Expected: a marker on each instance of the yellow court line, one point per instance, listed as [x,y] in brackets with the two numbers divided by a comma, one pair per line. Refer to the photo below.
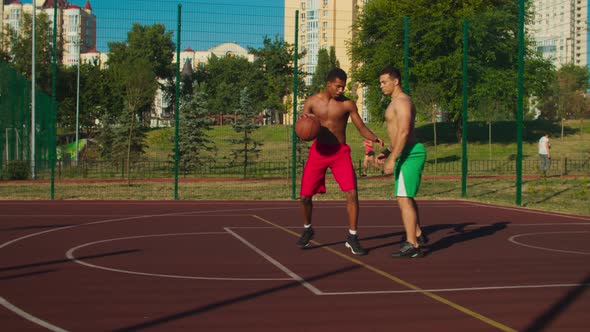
[431,295]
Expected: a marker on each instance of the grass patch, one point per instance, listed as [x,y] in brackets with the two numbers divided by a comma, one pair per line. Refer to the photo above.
[569,195]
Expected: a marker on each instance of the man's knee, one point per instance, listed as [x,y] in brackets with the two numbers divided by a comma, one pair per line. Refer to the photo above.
[305,200]
[351,195]
[405,202]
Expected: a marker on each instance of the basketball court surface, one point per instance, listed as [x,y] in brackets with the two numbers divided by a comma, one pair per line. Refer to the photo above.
[228,266]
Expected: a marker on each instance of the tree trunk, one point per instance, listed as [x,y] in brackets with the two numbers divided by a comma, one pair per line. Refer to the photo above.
[129,136]
[245,152]
[561,128]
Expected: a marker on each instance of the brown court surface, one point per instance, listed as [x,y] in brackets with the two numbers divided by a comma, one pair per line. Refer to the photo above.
[229,266]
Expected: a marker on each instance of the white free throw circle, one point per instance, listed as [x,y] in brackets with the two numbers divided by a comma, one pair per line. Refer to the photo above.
[70,255]
[514,237]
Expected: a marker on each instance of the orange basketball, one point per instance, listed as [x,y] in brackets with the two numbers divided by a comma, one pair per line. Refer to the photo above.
[307,128]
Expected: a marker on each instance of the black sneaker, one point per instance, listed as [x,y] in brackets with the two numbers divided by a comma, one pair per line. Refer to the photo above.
[305,237]
[352,243]
[422,239]
[408,251]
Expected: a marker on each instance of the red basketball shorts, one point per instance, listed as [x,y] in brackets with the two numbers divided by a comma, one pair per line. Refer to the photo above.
[324,156]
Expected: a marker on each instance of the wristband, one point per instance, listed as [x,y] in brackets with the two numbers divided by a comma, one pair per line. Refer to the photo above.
[386,152]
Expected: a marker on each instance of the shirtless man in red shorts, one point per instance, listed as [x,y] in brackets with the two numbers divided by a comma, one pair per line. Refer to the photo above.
[329,150]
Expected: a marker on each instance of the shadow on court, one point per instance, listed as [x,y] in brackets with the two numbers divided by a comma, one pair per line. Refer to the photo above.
[28,274]
[60,261]
[462,234]
[25,228]
[542,322]
[233,300]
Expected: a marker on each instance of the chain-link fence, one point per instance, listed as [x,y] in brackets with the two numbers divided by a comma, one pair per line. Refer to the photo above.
[28,140]
[198,97]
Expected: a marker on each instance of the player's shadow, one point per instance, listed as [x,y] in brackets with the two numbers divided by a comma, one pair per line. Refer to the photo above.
[362,239]
[463,234]
[427,230]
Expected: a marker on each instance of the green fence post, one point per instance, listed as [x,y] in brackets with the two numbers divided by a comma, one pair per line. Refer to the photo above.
[53,103]
[177,104]
[519,111]
[464,116]
[3,98]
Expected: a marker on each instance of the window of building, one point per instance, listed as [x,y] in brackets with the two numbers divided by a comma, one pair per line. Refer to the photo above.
[325,2]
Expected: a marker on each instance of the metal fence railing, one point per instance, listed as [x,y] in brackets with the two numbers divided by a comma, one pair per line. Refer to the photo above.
[116,169]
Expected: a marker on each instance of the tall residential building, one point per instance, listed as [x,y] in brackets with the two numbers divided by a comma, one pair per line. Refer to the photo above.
[560,29]
[323,24]
[76,26]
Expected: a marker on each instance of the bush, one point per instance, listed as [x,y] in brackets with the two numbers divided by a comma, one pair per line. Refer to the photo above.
[17,170]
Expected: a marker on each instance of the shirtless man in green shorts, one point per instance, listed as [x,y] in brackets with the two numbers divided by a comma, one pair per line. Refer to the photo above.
[404,158]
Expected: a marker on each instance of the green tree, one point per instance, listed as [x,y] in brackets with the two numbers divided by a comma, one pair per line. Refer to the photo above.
[493,102]
[150,42]
[139,85]
[194,145]
[107,138]
[20,50]
[225,76]
[427,99]
[274,61]
[436,47]
[572,83]
[326,62]
[246,124]
[99,94]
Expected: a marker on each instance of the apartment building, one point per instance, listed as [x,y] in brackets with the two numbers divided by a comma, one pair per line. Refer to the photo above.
[76,26]
[323,24]
[560,29]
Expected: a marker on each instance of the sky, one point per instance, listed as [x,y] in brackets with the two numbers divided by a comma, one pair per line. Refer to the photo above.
[205,23]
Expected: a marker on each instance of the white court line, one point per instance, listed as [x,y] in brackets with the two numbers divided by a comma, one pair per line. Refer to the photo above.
[33,319]
[70,255]
[465,289]
[29,317]
[276,263]
[424,226]
[36,320]
[513,240]
[523,209]
[5,244]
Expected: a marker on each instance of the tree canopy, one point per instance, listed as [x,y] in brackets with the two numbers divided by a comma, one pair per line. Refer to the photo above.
[436,49]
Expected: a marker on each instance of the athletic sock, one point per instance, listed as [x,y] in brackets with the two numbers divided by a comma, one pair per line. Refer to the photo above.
[351,232]
[307,226]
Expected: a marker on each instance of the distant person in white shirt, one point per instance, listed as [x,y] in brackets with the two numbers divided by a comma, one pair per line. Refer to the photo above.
[544,154]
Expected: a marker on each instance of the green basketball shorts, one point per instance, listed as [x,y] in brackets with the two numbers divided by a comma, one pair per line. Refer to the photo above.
[408,170]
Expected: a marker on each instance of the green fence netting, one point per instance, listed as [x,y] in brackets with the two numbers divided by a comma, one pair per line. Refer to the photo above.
[117,86]
[19,146]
